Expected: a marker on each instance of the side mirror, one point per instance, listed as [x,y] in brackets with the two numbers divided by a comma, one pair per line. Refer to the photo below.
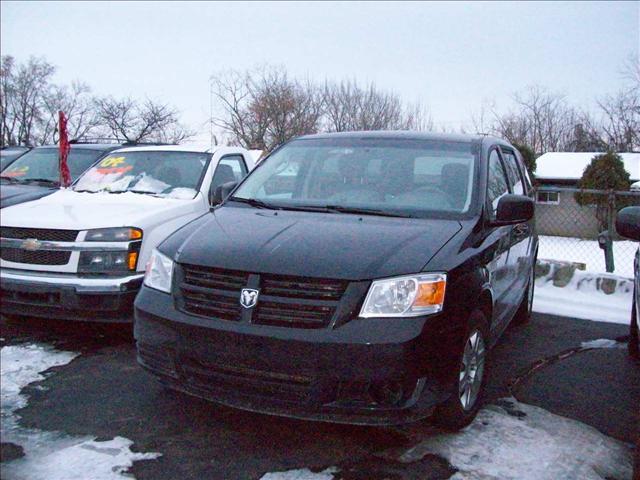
[514,209]
[221,192]
[628,223]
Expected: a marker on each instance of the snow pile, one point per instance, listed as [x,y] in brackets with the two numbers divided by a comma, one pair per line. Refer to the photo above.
[584,297]
[21,365]
[535,446]
[570,249]
[302,474]
[181,193]
[602,343]
[514,441]
[52,455]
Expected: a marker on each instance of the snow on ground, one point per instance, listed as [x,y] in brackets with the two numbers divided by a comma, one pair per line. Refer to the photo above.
[52,455]
[302,474]
[602,343]
[582,298]
[535,446]
[588,252]
[515,441]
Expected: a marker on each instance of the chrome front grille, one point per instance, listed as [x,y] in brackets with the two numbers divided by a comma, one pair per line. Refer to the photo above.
[284,301]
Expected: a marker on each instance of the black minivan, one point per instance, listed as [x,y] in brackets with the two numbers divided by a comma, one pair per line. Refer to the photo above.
[356,277]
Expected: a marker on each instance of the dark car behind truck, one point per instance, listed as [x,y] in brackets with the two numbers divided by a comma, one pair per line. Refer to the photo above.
[357,278]
[36,174]
[10,154]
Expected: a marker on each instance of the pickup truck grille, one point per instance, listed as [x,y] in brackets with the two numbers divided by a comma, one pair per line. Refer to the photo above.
[285,301]
[39,257]
[47,234]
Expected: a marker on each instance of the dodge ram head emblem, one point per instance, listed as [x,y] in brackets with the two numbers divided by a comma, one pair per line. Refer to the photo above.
[30,244]
[249,297]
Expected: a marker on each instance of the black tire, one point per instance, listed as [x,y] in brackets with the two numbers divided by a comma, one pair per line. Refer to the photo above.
[523,314]
[634,351]
[451,414]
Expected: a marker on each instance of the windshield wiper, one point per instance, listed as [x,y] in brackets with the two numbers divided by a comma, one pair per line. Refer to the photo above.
[255,203]
[41,180]
[363,211]
[319,208]
[143,192]
[10,179]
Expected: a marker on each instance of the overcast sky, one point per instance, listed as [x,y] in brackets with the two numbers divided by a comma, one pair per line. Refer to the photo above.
[448,56]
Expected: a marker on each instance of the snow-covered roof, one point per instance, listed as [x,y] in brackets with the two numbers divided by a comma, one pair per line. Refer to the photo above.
[571,165]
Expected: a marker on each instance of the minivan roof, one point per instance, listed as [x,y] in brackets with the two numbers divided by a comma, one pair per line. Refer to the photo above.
[450,137]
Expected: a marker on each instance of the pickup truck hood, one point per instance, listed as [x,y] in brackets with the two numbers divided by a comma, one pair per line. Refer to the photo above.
[328,245]
[14,194]
[66,209]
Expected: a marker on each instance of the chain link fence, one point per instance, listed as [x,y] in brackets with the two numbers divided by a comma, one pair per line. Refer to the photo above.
[579,226]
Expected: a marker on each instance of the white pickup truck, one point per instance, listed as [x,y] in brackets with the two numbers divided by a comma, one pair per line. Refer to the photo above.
[81,252]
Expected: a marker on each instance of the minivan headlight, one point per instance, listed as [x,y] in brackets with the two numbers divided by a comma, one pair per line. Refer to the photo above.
[407,296]
[159,272]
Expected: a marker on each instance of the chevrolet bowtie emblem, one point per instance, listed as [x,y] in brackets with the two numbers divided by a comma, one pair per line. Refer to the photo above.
[31,244]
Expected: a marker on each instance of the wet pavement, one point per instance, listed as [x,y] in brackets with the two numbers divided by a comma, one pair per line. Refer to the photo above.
[104,393]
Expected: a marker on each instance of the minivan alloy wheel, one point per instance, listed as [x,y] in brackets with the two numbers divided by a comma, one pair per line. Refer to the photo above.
[471,370]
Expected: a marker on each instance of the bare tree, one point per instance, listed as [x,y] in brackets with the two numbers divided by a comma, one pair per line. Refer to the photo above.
[233,92]
[78,105]
[621,120]
[541,119]
[291,107]
[31,82]
[349,107]
[631,71]
[7,118]
[23,87]
[263,108]
[128,120]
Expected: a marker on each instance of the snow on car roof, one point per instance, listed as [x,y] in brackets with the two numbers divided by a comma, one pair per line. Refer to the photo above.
[571,165]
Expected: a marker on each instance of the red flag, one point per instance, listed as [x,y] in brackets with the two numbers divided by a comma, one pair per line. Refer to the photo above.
[65,175]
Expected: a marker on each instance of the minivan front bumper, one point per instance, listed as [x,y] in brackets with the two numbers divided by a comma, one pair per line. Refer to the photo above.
[367,371]
[68,297]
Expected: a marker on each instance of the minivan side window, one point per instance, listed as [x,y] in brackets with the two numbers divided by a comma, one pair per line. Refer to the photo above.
[513,172]
[497,182]
[230,169]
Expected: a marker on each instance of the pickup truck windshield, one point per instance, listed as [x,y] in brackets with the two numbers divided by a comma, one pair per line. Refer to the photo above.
[170,174]
[392,176]
[41,164]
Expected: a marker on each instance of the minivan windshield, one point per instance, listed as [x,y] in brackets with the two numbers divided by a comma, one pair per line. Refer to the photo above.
[162,173]
[387,176]
[41,165]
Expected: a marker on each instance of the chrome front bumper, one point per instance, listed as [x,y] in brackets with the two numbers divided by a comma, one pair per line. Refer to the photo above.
[67,296]
[80,284]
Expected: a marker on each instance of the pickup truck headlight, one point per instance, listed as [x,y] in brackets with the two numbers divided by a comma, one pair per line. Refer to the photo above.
[108,262]
[159,272]
[111,261]
[119,234]
[407,296]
